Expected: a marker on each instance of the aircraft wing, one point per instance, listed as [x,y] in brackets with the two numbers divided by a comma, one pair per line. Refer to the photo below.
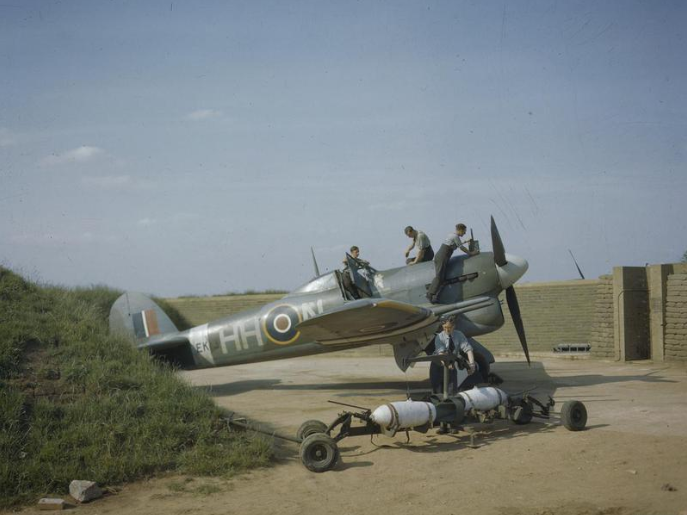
[381,321]
[365,319]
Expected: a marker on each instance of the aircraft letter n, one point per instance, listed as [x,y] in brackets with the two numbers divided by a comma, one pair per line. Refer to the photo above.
[308,309]
[228,334]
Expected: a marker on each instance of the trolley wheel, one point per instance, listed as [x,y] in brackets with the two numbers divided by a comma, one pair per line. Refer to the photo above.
[310,427]
[574,415]
[522,415]
[319,452]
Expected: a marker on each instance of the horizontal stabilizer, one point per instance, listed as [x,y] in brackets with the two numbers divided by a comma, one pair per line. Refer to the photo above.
[138,317]
[164,341]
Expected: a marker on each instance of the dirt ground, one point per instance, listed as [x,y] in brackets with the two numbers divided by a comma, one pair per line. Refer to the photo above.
[631,459]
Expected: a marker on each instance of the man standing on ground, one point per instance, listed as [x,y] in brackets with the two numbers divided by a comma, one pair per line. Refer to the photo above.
[450,341]
[452,242]
[423,245]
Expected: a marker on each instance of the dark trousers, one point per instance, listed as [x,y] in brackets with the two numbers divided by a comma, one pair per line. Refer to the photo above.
[429,254]
[440,265]
[436,378]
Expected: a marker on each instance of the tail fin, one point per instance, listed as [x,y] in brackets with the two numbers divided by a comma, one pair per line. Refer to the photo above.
[138,317]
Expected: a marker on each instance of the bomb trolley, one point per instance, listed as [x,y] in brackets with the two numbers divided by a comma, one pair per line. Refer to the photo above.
[318,441]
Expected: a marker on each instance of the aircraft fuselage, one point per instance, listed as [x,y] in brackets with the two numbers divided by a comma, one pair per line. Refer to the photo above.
[270,332]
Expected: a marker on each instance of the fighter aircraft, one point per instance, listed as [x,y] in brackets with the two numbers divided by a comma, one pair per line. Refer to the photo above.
[327,315]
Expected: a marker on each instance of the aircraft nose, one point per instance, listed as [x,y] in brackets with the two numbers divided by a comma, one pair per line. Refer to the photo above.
[513,270]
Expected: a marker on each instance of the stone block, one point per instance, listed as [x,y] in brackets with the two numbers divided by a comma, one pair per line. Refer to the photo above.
[47,503]
[84,491]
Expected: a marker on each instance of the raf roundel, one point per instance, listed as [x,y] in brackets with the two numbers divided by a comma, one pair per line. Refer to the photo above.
[280,324]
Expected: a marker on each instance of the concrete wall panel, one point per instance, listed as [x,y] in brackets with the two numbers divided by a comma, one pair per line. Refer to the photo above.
[675,329]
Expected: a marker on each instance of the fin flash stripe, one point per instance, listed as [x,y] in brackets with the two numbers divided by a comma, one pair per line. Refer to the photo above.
[150,317]
[145,323]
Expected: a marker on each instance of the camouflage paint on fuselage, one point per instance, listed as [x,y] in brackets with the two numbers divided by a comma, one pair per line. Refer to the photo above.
[269,332]
[263,333]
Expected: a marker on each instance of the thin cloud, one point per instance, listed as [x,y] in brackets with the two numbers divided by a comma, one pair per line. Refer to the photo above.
[203,114]
[52,239]
[184,217]
[7,139]
[116,182]
[172,219]
[82,154]
[108,181]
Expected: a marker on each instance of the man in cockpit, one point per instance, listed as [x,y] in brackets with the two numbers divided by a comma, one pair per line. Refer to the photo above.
[362,267]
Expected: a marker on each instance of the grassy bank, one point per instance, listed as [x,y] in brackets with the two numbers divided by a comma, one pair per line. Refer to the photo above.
[77,403]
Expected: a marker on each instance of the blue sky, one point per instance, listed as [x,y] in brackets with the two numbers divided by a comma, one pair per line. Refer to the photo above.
[179,147]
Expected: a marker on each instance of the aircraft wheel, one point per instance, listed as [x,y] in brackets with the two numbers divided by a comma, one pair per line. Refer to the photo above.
[522,415]
[310,427]
[319,452]
[574,415]
[484,367]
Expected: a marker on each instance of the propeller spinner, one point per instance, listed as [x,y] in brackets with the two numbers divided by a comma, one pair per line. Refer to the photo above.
[510,268]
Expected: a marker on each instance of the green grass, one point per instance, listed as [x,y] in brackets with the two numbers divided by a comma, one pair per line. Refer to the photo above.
[237,294]
[77,403]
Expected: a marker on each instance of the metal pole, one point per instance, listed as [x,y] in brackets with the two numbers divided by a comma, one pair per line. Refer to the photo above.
[445,381]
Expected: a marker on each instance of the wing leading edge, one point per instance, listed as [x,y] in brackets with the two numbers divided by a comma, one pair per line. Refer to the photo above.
[379,321]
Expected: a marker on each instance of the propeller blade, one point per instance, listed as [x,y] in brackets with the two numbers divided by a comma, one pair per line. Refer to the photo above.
[578,266]
[497,245]
[514,308]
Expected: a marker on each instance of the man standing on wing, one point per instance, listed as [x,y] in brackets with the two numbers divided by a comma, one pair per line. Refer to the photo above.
[452,242]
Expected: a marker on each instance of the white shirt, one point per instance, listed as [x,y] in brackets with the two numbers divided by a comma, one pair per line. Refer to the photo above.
[421,241]
[454,241]
[442,341]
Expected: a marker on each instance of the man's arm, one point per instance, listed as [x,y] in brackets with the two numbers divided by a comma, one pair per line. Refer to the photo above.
[471,362]
[410,248]
[465,346]
[465,249]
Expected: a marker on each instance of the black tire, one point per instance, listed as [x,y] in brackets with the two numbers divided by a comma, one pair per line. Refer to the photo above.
[522,415]
[310,427]
[319,453]
[574,415]
[484,367]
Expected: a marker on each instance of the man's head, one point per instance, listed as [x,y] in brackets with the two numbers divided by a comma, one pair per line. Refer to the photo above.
[410,232]
[355,251]
[448,325]
[461,229]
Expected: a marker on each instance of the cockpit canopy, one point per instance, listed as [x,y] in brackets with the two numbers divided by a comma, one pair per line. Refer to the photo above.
[322,283]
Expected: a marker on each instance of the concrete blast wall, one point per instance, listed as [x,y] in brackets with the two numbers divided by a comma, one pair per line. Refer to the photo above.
[552,312]
[676,318]
[602,337]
